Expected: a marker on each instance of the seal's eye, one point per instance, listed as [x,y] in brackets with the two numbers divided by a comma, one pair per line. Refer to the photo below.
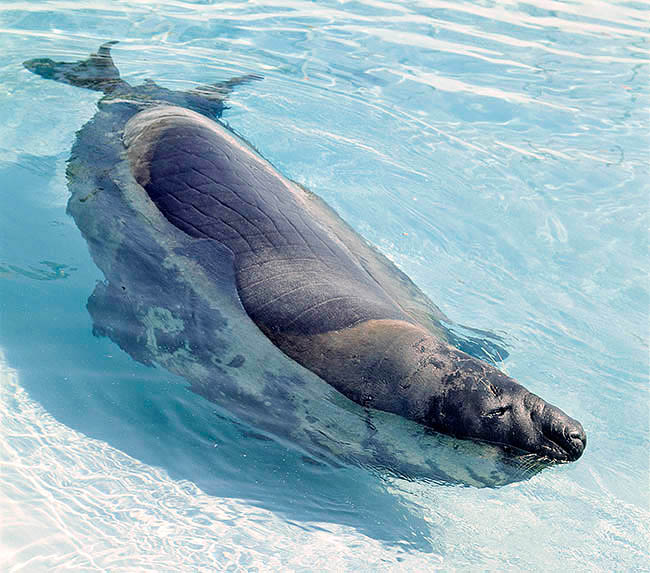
[497,412]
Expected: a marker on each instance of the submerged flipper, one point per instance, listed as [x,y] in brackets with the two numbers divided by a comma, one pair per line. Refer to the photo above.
[481,344]
[98,72]
[210,99]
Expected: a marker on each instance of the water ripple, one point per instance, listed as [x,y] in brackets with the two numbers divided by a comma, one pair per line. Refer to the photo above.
[70,502]
[498,152]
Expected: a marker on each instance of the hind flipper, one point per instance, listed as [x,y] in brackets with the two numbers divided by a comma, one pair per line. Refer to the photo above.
[98,72]
[221,90]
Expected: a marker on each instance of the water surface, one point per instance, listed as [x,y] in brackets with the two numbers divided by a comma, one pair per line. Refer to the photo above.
[497,152]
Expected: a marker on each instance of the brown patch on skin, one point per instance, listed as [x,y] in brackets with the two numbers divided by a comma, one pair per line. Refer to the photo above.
[391,279]
[389,365]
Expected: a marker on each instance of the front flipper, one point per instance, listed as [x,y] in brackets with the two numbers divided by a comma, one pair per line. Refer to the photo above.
[480,344]
[97,72]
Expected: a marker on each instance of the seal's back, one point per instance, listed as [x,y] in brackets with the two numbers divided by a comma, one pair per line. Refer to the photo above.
[293,275]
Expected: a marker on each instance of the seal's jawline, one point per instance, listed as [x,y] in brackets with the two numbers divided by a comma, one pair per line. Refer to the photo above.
[520,452]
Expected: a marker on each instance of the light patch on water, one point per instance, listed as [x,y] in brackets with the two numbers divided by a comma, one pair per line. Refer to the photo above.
[428,43]
[71,502]
[452,85]
[499,12]
[511,41]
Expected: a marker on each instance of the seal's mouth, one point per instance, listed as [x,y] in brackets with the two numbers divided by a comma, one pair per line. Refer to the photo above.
[569,449]
[552,451]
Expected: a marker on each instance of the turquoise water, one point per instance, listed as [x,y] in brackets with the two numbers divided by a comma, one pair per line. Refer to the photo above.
[497,152]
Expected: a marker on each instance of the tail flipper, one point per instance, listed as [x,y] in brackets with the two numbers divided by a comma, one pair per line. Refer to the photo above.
[98,72]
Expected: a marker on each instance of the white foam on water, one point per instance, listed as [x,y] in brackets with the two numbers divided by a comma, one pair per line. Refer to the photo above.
[69,502]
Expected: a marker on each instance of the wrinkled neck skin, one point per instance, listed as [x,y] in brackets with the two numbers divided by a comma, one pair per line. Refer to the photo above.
[399,367]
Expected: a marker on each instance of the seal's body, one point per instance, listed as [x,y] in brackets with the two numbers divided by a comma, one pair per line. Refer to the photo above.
[315,288]
[311,295]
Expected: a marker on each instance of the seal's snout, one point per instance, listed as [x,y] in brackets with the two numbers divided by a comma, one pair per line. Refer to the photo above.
[564,439]
[569,435]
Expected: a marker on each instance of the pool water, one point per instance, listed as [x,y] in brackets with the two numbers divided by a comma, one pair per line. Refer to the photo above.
[497,152]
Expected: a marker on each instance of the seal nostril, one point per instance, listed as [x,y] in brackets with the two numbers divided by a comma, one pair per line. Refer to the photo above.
[575,435]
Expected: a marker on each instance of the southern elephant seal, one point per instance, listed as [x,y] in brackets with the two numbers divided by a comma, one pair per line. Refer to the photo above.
[312,285]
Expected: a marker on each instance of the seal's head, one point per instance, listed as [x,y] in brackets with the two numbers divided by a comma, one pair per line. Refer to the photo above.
[484,404]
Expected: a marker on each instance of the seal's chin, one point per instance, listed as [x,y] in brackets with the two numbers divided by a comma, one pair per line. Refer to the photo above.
[547,452]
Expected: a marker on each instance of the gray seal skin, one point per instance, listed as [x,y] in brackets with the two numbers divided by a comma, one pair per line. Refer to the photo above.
[315,288]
